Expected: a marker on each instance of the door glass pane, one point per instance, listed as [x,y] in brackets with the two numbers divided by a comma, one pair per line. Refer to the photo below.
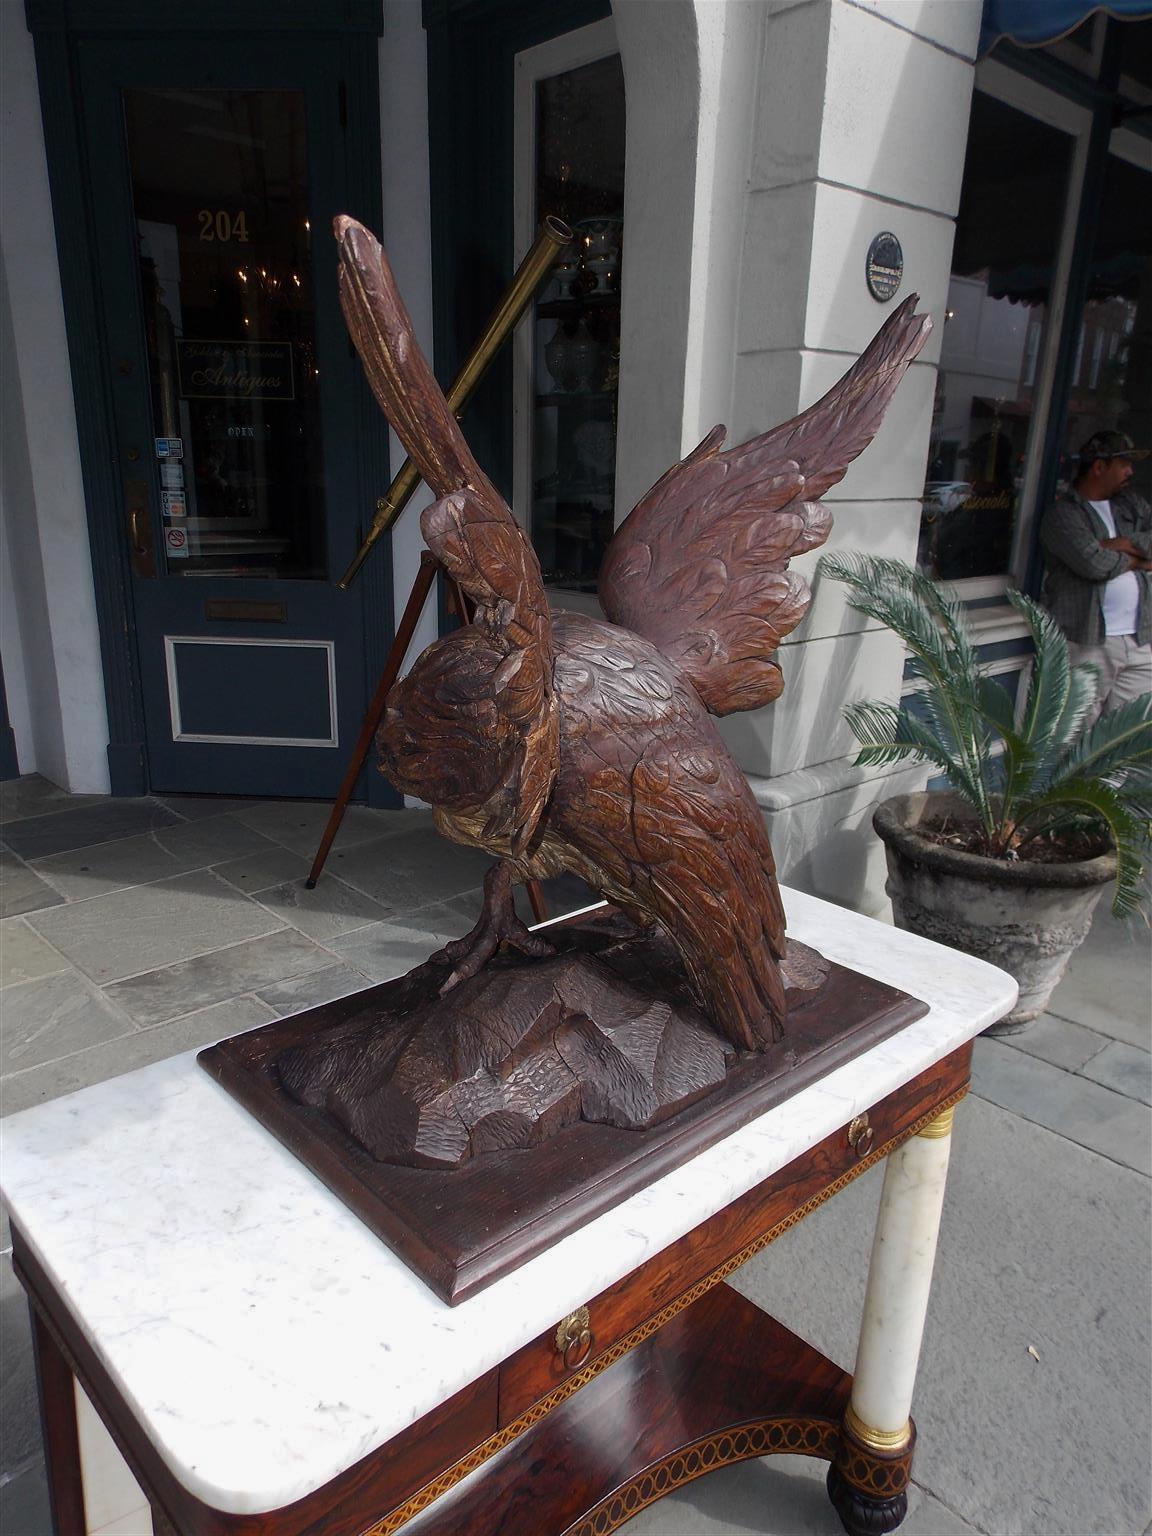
[220,192]
[1112,379]
[579,178]
[1007,240]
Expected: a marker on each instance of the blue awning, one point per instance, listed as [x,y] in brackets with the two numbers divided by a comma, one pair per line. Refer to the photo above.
[1043,21]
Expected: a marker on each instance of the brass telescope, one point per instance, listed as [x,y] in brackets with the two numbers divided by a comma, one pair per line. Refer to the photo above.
[554,235]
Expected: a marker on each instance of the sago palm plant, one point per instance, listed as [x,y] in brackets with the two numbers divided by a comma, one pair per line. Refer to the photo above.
[1041,775]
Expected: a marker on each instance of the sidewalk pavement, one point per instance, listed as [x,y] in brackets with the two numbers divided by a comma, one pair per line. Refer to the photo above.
[134,929]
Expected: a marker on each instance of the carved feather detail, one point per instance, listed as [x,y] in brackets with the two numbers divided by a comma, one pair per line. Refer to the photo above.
[699,566]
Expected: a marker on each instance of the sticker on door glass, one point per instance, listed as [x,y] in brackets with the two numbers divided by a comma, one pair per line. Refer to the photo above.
[176,543]
[174,504]
[235,370]
[169,447]
[172,476]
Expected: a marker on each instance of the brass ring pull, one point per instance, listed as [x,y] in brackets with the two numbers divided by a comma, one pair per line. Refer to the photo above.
[860,1136]
[574,1338]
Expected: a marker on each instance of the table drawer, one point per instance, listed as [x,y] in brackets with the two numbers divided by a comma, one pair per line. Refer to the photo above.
[577,1348]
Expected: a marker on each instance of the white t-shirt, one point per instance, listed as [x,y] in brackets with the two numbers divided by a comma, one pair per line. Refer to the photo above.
[1121,597]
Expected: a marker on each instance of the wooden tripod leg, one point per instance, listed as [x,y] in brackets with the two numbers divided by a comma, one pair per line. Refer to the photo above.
[425,576]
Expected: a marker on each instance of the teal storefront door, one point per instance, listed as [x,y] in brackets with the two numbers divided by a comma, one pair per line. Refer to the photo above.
[241,465]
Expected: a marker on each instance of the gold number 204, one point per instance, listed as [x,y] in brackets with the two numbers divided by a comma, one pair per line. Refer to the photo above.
[219,224]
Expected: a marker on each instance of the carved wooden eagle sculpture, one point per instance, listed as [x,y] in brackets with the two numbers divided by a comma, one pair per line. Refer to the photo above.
[559,742]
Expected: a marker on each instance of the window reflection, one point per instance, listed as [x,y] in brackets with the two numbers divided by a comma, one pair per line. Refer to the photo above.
[1007,239]
[1112,378]
[580,178]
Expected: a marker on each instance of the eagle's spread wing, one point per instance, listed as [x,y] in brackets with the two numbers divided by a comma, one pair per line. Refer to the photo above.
[470,529]
[700,565]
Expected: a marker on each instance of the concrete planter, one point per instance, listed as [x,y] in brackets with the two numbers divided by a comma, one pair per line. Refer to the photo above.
[1026,918]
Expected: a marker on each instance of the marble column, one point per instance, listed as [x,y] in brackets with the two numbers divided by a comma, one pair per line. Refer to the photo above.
[868,1479]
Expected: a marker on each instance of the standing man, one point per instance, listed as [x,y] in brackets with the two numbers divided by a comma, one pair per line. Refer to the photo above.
[1098,543]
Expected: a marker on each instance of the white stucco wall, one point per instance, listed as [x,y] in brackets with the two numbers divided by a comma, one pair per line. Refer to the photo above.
[407,236]
[48,632]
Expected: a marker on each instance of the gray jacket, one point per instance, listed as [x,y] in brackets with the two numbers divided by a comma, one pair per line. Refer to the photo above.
[1078,568]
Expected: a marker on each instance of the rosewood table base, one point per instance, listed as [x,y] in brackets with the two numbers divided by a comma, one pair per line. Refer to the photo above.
[668,1375]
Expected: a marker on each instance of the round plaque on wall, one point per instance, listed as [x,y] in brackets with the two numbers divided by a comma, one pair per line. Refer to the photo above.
[885,266]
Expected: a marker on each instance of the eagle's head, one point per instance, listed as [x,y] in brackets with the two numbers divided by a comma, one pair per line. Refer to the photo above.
[443,739]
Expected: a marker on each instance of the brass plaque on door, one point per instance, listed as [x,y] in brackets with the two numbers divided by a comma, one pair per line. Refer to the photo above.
[236,610]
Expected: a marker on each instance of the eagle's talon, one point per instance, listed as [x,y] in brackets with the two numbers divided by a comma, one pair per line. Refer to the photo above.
[496,925]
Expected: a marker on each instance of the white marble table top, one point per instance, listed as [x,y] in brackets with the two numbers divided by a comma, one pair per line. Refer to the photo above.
[266,1340]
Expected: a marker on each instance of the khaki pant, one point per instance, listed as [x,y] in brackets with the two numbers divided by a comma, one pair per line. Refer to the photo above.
[1125,670]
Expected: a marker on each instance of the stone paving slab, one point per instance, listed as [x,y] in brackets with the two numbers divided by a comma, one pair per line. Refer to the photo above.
[150,926]
[139,1049]
[36,837]
[54,1016]
[1108,984]
[202,807]
[329,911]
[86,872]
[32,795]
[1097,1118]
[299,825]
[1060,1041]
[310,991]
[82,873]
[19,1430]
[24,1507]
[390,949]
[411,869]
[22,890]
[261,871]
[24,955]
[1124,1068]
[156,996]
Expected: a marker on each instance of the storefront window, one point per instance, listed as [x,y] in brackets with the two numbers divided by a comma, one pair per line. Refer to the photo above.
[579,176]
[1005,252]
[1112,379]
[220,189]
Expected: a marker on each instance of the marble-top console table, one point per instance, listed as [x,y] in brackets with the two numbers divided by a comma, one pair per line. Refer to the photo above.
[265,1364]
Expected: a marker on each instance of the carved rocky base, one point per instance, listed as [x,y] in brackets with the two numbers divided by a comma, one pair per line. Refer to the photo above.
[507,1060]
[510,1057]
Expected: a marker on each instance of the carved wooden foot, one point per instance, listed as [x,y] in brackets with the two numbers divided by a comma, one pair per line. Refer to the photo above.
[497,924]
[867,1483]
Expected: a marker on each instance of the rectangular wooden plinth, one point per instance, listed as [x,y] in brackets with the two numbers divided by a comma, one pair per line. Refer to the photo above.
[463,1228]
[721,1382]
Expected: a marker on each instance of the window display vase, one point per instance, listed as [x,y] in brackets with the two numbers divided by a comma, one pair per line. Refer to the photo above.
[573,359]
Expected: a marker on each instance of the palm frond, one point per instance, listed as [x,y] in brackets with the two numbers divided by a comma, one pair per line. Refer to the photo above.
[888,733]
[932,627]
[1083,689]
[1129,835]
[1120,741]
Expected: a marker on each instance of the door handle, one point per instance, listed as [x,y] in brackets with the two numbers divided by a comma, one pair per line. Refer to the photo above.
[136,505]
